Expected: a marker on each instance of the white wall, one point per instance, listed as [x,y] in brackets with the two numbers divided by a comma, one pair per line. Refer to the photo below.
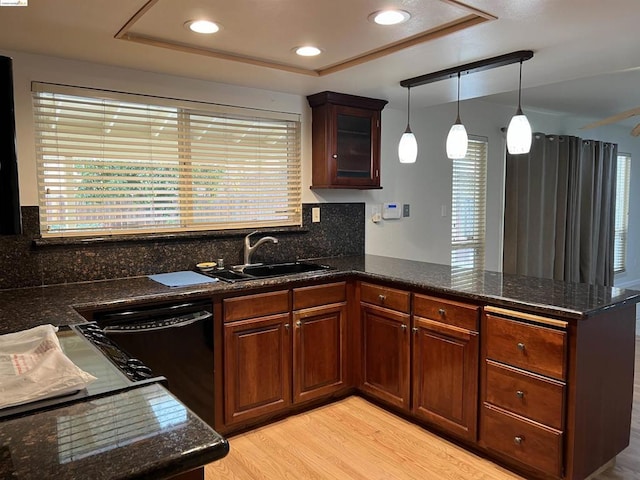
[426,185]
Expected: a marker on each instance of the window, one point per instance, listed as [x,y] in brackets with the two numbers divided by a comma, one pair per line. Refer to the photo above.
[468,206]
[622,212]
[113,163]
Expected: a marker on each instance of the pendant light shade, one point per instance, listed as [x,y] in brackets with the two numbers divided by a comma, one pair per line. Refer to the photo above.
[519,130]
[408,146]
[457,140]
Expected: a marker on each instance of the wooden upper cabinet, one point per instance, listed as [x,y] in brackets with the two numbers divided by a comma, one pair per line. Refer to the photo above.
[345,140]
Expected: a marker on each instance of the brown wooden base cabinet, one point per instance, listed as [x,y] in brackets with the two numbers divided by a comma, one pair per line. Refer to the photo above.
[386,357]
[257,356]
[549,397]
[274,358]
[319,341]
[445,365]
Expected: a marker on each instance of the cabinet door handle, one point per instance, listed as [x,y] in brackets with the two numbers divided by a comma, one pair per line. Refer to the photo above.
[442,311]
[404,327]
[382,298]
[414,330]
[521,346]
[286,326]
[298,323]
[335,155]
[520,394]
[518,440]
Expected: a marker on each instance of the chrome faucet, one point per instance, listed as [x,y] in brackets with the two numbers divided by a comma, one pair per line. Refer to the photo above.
[249,249]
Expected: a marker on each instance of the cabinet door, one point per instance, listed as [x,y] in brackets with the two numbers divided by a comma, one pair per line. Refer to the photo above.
[356,149]
[257,369]
[319,351]
[445,376]
[385,357]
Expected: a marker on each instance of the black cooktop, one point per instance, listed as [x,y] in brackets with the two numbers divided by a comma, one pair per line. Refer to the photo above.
[113,368]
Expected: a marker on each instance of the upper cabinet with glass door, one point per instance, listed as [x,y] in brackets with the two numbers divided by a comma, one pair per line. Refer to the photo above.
[345,140]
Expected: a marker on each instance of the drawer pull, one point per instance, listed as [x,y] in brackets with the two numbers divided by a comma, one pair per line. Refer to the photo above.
[521,346]
[298,323]
[518,440]
[382,298]
[441,311]
[520,394]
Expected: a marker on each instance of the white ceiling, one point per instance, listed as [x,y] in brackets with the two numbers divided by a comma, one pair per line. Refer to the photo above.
[586,61]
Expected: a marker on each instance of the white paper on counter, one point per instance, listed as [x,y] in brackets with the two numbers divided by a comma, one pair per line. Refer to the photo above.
[34,367]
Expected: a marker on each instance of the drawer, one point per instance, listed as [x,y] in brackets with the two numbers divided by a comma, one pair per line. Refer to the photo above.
[532,396]
[532,347]
[527,442]
[452,313]
[316,295]
[252,306]
[385,297]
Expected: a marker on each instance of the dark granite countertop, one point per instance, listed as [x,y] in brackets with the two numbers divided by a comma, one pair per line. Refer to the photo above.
[57,304]
[154,435]
[143,433]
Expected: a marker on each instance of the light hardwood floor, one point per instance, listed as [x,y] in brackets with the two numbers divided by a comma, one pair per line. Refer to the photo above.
[355,440]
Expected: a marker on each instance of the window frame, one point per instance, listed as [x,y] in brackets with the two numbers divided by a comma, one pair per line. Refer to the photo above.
[261,178]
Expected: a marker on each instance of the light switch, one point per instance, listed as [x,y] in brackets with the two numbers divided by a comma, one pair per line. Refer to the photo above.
[315,214]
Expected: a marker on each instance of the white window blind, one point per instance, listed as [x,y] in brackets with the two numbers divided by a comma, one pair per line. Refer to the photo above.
[468,206]
[622,212]
[113,163]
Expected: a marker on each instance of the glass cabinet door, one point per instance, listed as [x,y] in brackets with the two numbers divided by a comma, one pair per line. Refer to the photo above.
[353,146]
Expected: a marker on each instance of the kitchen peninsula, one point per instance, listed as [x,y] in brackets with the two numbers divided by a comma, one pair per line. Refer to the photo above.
[575,343]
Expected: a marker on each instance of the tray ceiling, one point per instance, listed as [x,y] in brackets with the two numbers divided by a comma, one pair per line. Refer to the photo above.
[340,29]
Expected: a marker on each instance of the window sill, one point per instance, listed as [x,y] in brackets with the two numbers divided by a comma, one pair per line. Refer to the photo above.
[159,237]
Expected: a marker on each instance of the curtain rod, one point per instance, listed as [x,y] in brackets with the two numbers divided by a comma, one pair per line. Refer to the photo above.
[478,66]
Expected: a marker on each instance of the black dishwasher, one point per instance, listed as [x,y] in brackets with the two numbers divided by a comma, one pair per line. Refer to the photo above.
[176,341]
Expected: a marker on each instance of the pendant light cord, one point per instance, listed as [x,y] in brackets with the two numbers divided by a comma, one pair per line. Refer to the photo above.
[458,97]
[408,104]
[520,89]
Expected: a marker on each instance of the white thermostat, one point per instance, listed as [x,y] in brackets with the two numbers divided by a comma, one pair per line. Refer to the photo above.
[391,211]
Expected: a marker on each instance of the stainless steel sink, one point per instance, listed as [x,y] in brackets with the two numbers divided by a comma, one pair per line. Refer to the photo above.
[253,272]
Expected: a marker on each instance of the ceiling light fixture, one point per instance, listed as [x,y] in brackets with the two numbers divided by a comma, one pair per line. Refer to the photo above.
[519,131]
[478,66]
[457,140]
[202,26]
[307,51]
[389,17]
[408,146]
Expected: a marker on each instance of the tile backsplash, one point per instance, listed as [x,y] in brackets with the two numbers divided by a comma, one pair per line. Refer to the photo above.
[23,264]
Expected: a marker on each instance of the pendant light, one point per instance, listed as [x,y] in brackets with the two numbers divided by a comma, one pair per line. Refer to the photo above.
[408,146]
[457,140]
[519,131]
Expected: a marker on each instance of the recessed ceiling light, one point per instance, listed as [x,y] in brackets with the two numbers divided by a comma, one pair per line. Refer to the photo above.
[389,17]
[202,26]
[307,51]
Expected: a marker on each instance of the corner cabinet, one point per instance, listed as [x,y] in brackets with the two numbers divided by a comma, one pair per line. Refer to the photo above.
[345,140]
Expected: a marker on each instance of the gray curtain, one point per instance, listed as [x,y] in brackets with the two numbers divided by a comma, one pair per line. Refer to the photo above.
[560,210]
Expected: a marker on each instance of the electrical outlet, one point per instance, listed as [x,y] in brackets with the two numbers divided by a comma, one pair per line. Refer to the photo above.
[406,210]
[315,214]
